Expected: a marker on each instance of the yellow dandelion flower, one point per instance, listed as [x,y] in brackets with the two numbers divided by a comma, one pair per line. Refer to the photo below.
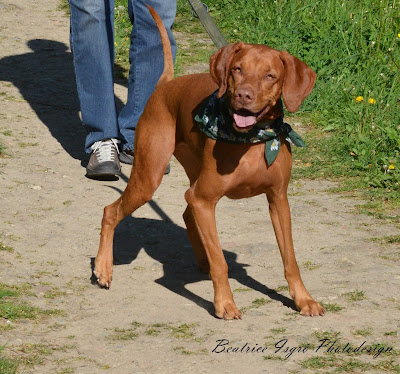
[398,35]
[371,101]
[359,99]
[391,167]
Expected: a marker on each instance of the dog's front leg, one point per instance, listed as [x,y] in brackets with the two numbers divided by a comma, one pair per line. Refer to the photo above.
[280,216]
[203,214]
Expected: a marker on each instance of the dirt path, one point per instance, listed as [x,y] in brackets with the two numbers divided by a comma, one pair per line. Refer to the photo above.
[157,317]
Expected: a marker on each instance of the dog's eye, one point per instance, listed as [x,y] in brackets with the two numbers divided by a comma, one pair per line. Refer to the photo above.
[237,69]
[270,76]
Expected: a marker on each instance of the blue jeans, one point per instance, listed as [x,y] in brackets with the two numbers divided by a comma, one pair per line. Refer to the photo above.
[92,43]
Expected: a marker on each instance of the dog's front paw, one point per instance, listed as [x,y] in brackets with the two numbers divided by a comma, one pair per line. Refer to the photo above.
[103,274]
[227,310]
[310,308]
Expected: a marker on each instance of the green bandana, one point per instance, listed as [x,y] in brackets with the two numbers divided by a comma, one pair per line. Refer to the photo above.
[216,122]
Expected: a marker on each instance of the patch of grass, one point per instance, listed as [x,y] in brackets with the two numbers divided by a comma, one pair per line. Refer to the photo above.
[2,150]
[25,144]
[339,364]
[257,303]
[273,358]
[7,365]
[307,345]
[13,309]
[391,239]
[364,332]
[331,335]
[236,290]
[331,308]
[54,293]
[153,331]
[184,331]
[66,370]
[31,354]
[309,265]
[5,247]
[185,351]
[391,333]
[280,330]
[356,295]
[64,5]
[123,334]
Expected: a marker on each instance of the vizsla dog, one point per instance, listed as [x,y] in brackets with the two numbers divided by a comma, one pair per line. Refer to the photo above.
[252,79]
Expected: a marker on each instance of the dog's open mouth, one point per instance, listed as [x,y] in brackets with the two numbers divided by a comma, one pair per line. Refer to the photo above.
[244,119]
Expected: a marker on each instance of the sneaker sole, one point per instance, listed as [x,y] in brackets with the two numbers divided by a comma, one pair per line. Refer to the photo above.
[105,171]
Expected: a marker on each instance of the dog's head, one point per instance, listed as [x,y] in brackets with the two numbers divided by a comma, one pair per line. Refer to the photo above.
[255,77]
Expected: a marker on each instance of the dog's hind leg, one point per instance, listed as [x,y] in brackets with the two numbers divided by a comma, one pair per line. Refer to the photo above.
[152,154]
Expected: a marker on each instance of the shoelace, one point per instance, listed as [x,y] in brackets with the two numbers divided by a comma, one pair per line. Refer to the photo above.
[105,150]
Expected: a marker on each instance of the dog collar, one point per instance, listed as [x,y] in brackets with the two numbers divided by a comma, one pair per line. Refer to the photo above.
[214,120]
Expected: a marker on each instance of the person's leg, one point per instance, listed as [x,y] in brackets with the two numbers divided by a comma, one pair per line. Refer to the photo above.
[92,43]
[147,61]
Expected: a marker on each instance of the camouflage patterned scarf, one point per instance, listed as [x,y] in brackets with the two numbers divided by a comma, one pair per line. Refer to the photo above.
[216,122]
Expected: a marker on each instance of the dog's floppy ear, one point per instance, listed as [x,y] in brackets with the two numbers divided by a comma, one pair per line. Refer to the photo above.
[298,82]
[219,65]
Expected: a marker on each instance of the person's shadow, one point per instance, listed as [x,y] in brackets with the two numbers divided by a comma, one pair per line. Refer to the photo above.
[168,244]
[45,78]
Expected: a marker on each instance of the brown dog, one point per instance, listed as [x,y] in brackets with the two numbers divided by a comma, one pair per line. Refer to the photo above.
[253,77]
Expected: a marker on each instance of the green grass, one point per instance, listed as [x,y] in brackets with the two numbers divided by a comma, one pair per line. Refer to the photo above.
[337,364]
[14,309]
[391,239]
[355,49]
[364,332]
[355,296]
[7,365]
[2,149]
[331,308]
[5,247]
[183,331]
[256,303]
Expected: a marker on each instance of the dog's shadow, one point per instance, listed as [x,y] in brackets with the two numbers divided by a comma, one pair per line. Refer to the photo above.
[167,243]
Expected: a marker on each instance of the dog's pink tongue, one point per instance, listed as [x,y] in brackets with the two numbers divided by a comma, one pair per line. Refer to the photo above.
[244,121]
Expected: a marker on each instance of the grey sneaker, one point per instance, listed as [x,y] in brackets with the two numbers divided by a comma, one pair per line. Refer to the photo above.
[104,161]
[126,157]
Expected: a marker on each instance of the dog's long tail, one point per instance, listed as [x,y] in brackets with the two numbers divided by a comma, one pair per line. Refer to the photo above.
[168,73]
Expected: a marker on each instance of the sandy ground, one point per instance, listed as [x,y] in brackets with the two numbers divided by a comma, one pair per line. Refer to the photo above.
[158,315]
